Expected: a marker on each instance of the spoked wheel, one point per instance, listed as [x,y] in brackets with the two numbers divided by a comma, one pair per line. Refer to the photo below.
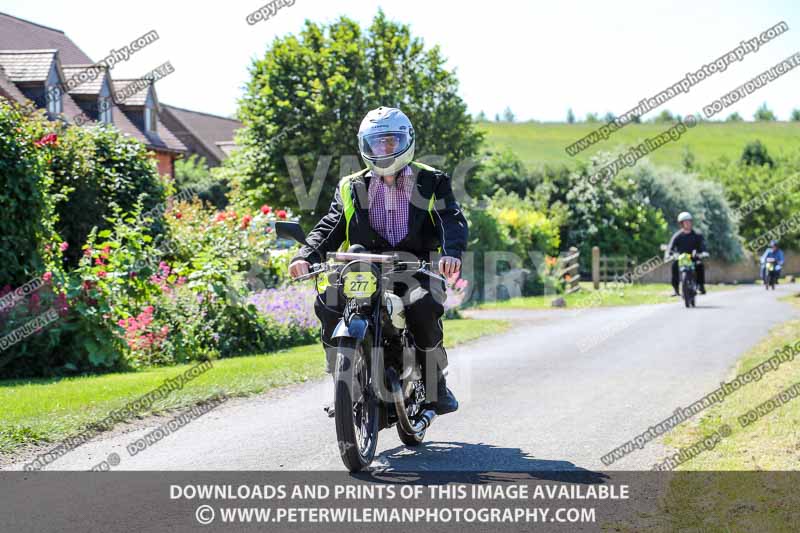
[356,405]
[414,407]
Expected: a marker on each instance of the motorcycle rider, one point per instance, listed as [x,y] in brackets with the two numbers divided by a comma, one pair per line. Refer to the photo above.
[772,252]
[686,240]
[395,204]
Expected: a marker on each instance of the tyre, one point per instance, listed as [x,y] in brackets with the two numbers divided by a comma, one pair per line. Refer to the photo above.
[418,398]
[356,405]
[688,291]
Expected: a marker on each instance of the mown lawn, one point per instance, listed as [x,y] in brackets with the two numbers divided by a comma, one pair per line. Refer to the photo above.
[538,144]
[637,294]
[766,501]
[46,410]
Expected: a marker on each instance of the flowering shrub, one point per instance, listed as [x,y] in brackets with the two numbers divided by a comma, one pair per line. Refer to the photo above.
[291,306]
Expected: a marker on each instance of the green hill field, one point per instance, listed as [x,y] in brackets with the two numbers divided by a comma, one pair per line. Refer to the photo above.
[538,144]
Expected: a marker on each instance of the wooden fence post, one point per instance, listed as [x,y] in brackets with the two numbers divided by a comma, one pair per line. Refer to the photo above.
[596,267]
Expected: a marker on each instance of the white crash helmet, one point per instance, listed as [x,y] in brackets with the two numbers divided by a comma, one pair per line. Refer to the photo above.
[684,216]
[386,140]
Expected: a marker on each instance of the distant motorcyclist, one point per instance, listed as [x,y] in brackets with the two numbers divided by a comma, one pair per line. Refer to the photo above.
[773,252]
[685,241]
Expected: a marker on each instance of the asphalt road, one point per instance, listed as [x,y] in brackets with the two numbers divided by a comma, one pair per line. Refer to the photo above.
[558,391]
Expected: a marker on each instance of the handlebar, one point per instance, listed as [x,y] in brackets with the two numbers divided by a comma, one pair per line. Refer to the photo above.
[420,266]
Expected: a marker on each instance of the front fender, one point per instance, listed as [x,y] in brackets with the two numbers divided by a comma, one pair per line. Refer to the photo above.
[357,329]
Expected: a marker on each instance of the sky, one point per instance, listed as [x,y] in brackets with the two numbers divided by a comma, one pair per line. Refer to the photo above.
[537,58]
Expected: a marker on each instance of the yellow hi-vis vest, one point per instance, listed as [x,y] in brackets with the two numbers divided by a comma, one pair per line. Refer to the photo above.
[346,192]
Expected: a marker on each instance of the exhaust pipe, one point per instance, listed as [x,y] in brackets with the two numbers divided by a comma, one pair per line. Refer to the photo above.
[426,418]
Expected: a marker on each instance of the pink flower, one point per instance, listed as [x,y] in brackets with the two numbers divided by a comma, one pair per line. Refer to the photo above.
[63,246]
[47,276]
[149,309]
[220,217]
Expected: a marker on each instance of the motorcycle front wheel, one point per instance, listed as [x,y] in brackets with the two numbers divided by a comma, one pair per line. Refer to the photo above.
[688,291]
[355,403]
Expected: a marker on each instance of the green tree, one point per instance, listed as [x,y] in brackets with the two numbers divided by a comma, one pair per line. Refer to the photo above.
[570,116]
[734,117]
[501,170]
[193,173]
[591,118]
[508,115]
[309,92]
[481,117]
[795,116]
[664,117]
[609,117]
[763,113]
[755,154]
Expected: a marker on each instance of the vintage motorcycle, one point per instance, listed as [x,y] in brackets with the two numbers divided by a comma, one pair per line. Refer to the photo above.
[378,381]
[771,269]
[687,267]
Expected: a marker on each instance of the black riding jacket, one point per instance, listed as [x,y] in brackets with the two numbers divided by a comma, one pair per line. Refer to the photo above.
[686,243]
[432,227]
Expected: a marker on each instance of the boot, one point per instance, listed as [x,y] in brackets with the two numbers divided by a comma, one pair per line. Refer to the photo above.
[445,399]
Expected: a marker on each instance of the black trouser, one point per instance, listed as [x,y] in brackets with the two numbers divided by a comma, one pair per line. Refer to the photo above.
[423,302]
[700,273]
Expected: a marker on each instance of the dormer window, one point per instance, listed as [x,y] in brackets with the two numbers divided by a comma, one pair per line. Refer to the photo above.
[104,111]
[54,100]
[150,119]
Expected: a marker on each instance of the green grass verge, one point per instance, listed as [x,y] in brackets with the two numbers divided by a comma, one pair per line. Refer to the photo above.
[740,502]
[46,410]
[537,144]
[637,294]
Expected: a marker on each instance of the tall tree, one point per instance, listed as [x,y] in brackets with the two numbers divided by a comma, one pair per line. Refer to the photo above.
[570,116]
[309,92]
[764,113]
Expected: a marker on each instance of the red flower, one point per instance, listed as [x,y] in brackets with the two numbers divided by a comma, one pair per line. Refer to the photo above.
[63,246]
[99,261]
[246,221]
[266,209]
[50,138]
[220,217]
[102,274]
[281,214]
[47,276]
[178,215]
[87,252]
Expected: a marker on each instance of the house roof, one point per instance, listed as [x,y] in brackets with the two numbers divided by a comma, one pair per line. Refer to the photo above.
[9,90]
[90,86]
[139,98]
[20,34]
[23,66]
[212,131]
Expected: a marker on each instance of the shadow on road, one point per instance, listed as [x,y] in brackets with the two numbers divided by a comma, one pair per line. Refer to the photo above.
[447,462]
